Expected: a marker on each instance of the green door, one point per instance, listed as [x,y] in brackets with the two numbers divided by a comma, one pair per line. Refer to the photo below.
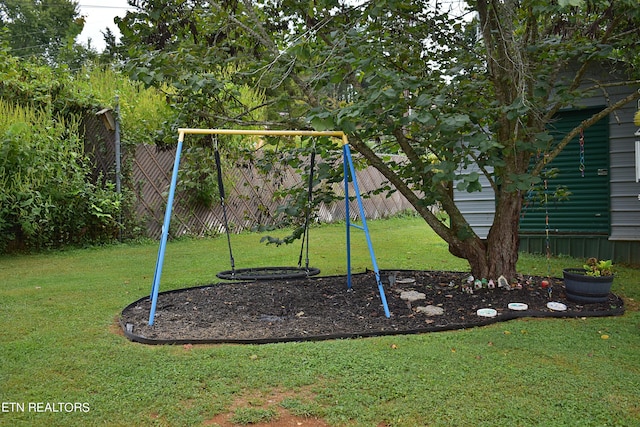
[586,210]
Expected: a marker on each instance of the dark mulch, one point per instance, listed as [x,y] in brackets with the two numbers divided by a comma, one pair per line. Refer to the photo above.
[323,308]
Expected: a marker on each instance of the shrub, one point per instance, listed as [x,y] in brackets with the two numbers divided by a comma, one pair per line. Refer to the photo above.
[47,198]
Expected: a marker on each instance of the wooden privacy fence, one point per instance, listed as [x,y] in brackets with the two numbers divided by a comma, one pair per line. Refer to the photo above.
[249,197]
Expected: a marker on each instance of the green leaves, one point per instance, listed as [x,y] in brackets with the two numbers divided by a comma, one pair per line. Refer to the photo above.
[454,123]
[571,3]
[42,29]
[470,183]
[520,182]
[47,199]
[517,109]
[322,121]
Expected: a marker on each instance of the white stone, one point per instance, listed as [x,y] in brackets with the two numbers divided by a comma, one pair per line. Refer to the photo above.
[431,310]
[412,296]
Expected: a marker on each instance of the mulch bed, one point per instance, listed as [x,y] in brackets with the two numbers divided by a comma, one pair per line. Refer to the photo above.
[323,308]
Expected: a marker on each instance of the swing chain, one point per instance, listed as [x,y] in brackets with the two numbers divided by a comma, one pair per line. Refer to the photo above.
[546,227]
[308,207]
[582,166]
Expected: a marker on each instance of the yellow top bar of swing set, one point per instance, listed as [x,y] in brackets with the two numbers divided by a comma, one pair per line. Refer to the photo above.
[336,134]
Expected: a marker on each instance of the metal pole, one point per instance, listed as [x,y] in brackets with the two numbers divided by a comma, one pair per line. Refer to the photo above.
[117,142]
[165,233]
[364,227]
[347,213]
[262,132]
[118,164]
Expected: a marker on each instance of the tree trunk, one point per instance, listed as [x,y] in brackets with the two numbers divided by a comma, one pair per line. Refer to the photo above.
[475,253]
[503,241]
[498,254]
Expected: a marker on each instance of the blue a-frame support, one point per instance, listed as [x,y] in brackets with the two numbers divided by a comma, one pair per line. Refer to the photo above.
[349,172]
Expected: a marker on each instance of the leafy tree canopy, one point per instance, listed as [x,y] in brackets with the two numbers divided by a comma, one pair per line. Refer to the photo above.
[43,28]
[460,93]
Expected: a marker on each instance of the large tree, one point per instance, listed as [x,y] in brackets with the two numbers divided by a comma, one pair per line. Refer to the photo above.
[42,28]
[460,93]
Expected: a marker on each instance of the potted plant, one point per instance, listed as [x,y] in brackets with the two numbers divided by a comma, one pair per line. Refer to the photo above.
[589,284]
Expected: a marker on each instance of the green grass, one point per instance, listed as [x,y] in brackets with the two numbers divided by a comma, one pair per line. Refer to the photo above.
[57,344]
[249,415]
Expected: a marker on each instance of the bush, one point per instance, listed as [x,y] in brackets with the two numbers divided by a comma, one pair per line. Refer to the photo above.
[47,198]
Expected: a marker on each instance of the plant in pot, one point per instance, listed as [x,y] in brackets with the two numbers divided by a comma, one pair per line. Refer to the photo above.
[590,284]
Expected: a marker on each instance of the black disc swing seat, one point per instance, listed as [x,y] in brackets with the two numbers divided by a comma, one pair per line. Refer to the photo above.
[268,273]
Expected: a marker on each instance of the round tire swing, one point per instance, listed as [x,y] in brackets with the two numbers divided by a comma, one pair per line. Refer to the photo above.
[268,273]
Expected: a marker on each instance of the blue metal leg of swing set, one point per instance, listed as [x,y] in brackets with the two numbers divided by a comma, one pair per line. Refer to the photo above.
[349,169]
[165,234]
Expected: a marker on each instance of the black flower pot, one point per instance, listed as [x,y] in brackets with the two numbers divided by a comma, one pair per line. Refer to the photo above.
[586,289]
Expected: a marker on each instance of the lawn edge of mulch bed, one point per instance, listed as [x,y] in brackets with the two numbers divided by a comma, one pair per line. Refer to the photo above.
[502,317]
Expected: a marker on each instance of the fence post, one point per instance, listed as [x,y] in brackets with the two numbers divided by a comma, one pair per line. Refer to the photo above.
[118,164]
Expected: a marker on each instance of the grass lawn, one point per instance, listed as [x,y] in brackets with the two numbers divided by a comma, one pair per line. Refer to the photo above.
[58,347]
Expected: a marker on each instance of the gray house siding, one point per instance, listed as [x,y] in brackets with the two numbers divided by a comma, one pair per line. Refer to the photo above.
[625,191]
[478,208]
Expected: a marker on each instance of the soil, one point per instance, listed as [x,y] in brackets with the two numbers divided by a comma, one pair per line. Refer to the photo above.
[269,400]
[323,308]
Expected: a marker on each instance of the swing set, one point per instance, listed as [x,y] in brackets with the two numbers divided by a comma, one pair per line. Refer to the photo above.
[265,273]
